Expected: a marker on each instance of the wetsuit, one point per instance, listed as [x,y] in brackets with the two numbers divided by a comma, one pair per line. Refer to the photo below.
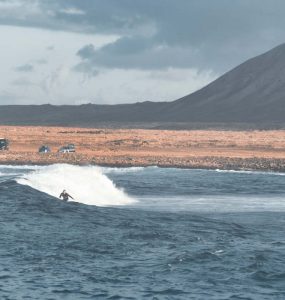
[65,196]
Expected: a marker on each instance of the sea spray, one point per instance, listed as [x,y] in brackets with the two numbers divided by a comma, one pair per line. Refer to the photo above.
[86,184]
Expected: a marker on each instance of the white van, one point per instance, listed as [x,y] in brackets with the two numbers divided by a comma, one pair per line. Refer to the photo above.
[67,149]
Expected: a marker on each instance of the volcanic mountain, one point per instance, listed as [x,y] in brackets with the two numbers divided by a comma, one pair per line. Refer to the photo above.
[252,93]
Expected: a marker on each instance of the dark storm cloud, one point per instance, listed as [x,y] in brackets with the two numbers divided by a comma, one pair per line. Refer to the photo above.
[157,34]
[25,68]
[145,58]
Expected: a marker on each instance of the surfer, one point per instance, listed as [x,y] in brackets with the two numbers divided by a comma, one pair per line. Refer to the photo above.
[65,196]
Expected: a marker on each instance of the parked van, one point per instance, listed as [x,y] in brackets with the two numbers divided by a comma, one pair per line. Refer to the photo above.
[67,149]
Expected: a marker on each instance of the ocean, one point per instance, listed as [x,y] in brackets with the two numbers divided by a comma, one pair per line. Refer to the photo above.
[141,233]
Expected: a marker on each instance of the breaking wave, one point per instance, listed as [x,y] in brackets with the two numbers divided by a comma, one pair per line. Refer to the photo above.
[86,184]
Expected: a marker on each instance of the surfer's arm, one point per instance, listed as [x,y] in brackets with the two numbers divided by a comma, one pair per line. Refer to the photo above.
[70,197]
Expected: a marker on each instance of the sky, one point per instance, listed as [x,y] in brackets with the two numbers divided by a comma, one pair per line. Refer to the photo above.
[125,51]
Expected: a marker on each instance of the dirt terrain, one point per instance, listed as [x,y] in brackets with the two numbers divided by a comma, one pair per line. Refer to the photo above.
[260,150]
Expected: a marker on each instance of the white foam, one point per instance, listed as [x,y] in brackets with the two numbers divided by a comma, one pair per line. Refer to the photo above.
[86,184]
[21,167]
[8,174]
[215,203]
[250,172]
[107,170]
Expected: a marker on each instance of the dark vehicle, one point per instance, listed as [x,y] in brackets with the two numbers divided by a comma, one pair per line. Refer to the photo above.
[71,146]
[4,144]
[44,149]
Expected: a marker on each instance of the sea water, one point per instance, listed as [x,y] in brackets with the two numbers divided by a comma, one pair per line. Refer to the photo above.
[141,233]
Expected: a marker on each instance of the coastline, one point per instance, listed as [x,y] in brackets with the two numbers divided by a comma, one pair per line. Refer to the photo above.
[209,163]
[193,149]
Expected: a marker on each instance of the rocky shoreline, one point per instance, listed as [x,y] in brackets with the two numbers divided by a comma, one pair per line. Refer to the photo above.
[199,149]
[208,162]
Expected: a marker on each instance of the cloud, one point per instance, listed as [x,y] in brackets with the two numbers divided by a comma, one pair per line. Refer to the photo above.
[72,11]
[22,82]
[148,37]
[19,12]
[87,69]
[55,79]
[86,52]
[204,35]
[25,68]
[135,53]
[159,34]
[41,61]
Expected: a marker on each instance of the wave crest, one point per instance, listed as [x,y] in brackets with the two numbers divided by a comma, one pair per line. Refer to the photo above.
[86,185]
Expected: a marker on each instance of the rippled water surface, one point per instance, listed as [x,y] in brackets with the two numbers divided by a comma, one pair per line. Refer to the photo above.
[141,233]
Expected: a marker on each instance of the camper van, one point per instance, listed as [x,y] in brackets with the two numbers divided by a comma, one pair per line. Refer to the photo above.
[67,149]
[4,144]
